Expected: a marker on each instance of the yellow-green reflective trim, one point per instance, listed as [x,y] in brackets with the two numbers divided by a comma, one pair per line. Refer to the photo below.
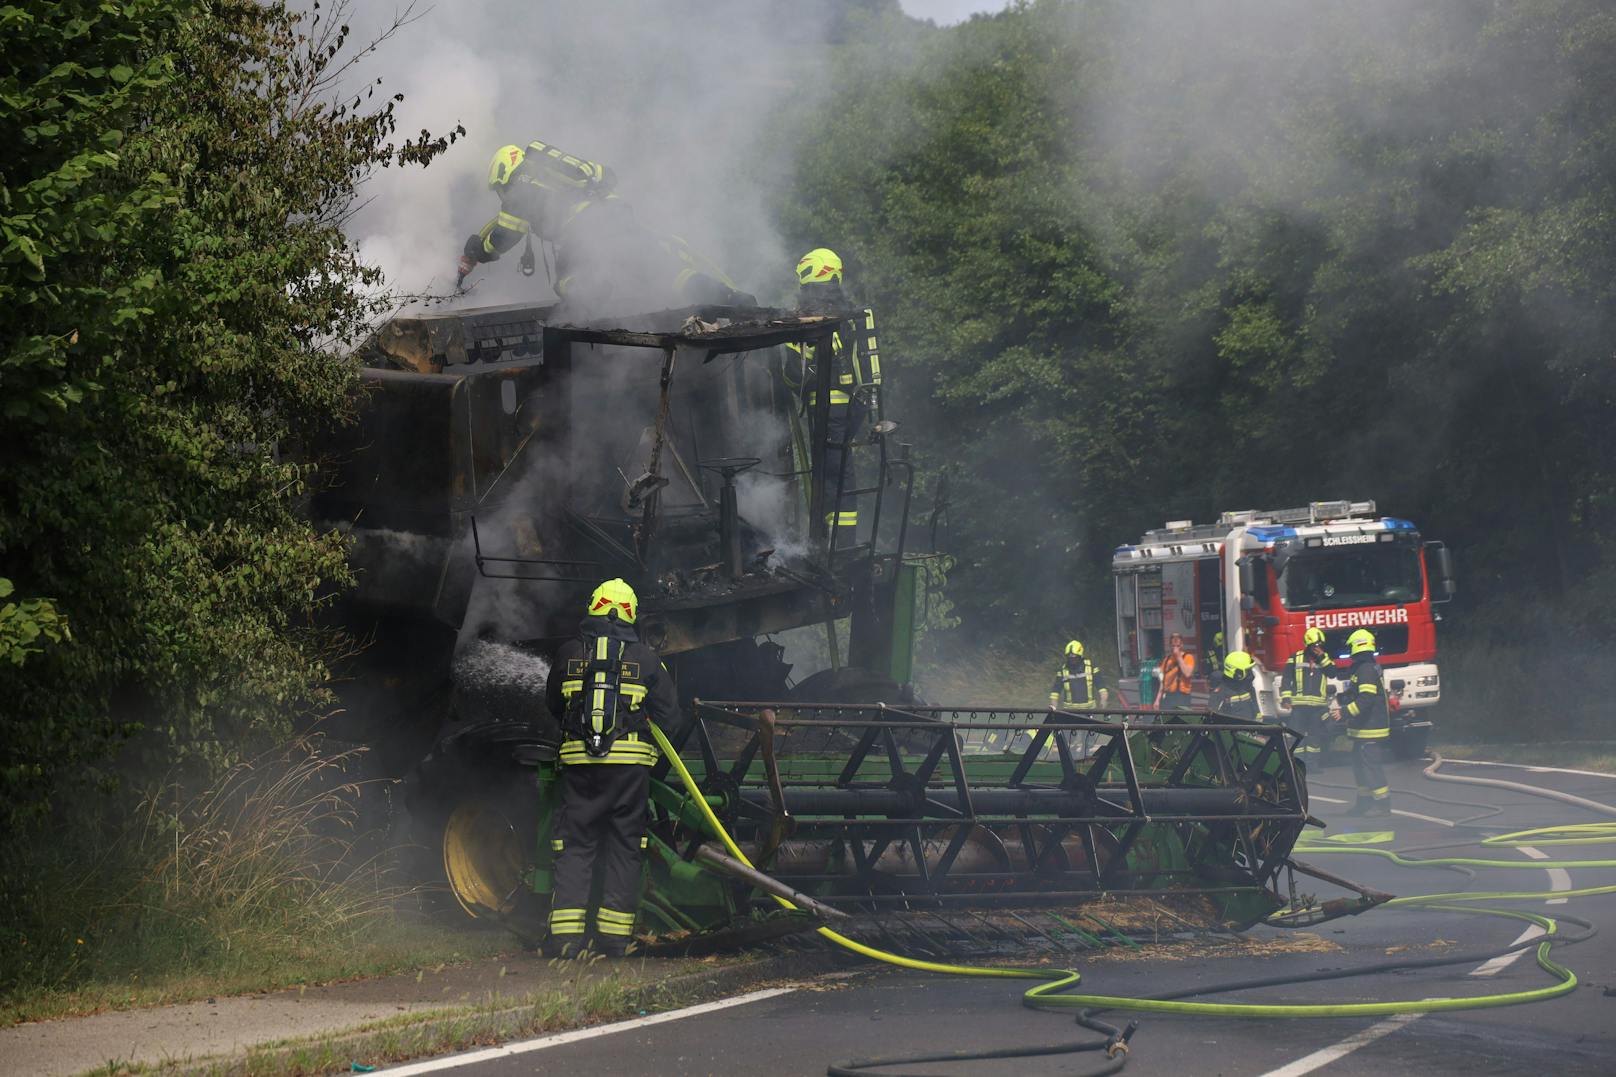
[1368,734]
[512,222]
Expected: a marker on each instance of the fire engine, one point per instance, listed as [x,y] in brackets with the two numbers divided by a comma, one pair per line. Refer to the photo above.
[1263,578]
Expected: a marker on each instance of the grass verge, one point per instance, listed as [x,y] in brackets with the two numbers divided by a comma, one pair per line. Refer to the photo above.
[577,1003]
[264,961]
[259,882]
[1597,755]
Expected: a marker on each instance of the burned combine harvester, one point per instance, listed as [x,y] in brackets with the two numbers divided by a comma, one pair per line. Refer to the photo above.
[502,466]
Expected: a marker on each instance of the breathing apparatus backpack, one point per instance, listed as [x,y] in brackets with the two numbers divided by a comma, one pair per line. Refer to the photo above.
[609,693]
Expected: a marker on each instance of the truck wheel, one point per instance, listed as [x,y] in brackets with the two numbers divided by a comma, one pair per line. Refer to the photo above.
[1409,743]
[850,684]
[472,834]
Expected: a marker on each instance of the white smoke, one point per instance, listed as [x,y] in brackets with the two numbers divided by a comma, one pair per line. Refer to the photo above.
[678,97]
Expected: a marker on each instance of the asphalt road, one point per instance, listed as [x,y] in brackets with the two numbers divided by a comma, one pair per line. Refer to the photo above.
[892,1013]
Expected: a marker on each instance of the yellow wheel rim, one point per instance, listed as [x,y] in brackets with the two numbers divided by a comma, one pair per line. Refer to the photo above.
[482,859]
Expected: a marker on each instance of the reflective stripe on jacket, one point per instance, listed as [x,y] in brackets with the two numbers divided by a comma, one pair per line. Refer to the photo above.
[1364,701]
[1075,688]
[1304,683]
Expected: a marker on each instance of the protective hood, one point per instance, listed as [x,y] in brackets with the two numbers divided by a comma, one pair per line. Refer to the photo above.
[591,628]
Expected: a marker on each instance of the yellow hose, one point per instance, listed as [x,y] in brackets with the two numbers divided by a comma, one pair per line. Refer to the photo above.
[1051,993]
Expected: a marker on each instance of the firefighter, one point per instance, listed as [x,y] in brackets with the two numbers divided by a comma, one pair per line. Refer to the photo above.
[600,249]
[1077,683]
[855,385]
[1304,692]
[604,687]
[1214,658]
[1236,695]
[1363,705]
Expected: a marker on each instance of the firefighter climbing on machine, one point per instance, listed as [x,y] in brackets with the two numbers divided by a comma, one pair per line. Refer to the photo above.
[601,250]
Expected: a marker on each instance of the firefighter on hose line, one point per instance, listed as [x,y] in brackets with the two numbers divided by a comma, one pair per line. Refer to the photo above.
[1077,683]
[1304,692]
[604,687]
[1235,695]
[1363,705]
[600,249]
[855,383]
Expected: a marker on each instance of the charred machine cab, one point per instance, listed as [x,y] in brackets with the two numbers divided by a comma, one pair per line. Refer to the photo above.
[1263,578]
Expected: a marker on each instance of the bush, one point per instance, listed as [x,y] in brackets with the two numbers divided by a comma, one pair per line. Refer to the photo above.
[175,279]
[266,866]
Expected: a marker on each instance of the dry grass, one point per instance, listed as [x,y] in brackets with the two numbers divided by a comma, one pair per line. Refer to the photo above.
[258,882]
[1575,755]
[950,671]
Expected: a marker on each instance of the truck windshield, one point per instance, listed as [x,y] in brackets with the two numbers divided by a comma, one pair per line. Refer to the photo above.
[1375,575]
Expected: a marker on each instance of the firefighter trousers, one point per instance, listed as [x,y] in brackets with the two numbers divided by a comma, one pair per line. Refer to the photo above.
[601,827]
[1313,723]
[841,427]
[1369,774]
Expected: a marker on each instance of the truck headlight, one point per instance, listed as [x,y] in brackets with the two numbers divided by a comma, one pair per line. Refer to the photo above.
[1428,682]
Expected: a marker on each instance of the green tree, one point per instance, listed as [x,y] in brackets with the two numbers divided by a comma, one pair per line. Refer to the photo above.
[177,283]
[1140,262]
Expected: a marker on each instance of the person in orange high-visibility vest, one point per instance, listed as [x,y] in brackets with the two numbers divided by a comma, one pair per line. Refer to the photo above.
[1176,671]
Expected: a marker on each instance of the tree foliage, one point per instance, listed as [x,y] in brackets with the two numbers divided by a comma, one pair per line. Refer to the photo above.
[175,277]
[1144,262]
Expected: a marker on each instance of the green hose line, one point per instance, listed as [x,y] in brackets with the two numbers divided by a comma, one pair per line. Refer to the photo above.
[1311,847]
[1592,834]
[1053,993]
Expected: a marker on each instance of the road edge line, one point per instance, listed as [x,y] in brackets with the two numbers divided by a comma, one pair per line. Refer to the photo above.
[557,1039]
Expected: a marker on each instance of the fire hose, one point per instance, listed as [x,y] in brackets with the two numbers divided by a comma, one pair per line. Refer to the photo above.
[1055,990]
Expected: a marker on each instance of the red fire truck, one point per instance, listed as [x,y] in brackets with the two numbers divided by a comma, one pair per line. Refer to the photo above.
[1263,578]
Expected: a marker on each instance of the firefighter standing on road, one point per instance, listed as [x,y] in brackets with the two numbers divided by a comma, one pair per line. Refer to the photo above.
[1235,695]
[604,687]
[1363,705]
[1077,683]
[855,383]
[1304,691]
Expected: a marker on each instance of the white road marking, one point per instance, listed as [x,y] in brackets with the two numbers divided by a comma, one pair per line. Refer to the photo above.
[1503,961]
[1526,766]
[1395,811]
[1326,1055]
[1426,818]
[1559,878]
[523,1047]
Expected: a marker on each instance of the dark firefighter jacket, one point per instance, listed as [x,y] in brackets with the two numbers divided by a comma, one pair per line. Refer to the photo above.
[607,678]
[1304,683]
[600,248]
[855,353]
[1364,700]
[1076,687]
[1236,699]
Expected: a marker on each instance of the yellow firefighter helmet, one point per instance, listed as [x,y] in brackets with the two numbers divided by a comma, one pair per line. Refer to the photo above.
[614,598]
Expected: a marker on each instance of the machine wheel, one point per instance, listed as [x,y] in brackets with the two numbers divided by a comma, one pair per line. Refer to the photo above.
[1409,742]
[850,684]
[471,830]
